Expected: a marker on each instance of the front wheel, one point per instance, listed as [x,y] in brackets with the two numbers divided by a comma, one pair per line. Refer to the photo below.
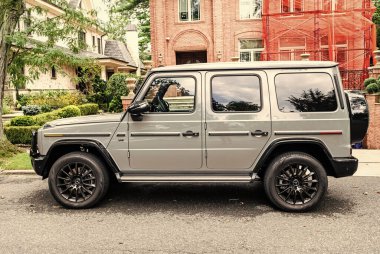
[295,182]
[78,180]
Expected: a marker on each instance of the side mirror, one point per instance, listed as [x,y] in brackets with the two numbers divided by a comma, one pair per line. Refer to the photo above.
[137,108]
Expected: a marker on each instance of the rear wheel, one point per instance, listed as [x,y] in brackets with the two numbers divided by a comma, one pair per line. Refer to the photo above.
[78,180]
[295,182]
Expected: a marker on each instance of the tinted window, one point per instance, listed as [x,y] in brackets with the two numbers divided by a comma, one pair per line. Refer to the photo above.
[305,92]
[175,94]
[236,93]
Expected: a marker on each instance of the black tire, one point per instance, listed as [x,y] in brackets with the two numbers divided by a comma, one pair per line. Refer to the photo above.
[78,180]
[295,182]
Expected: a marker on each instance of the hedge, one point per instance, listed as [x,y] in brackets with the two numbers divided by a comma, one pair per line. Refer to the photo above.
[20,134]
[23,121]
[89,109]
[69,111]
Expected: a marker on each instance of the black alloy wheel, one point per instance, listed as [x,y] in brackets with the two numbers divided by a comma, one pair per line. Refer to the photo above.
[78,180]
[295,182]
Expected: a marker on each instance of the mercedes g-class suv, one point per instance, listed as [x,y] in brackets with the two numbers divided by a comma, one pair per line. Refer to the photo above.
[289,124]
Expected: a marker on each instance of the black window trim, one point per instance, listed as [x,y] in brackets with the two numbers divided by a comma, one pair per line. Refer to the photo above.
[176,76]
[306,72]
[240,75]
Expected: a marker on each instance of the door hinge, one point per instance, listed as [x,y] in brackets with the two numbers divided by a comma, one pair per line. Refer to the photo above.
[129,154]
[205,126]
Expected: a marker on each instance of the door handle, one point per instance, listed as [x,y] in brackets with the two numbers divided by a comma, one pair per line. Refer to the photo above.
[190,134]
[259,133]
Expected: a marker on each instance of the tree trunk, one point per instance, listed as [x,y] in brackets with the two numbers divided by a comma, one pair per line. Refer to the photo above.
[11,11]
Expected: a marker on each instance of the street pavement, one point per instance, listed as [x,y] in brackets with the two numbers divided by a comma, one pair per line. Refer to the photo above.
[188,218]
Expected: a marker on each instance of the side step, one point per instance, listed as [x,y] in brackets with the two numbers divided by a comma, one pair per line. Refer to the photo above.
[187,178]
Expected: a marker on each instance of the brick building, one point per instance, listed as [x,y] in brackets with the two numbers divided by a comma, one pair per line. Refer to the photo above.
[191,31]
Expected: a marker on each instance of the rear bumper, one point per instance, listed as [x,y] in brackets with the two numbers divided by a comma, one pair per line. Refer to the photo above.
[344,166]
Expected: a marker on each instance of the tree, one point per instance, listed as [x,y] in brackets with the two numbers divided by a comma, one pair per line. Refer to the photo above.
[139,10]
[18,50]
[376,20]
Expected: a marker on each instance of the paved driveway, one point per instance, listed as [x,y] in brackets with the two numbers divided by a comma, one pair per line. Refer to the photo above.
[188,218]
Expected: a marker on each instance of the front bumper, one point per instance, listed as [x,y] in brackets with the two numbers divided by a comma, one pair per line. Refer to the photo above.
[38,164]
[344,166]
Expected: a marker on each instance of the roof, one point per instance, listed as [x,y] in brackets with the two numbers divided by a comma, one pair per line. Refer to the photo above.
[249,65]
[119,51]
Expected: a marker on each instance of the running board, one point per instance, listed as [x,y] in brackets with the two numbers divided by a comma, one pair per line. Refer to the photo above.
[187,178]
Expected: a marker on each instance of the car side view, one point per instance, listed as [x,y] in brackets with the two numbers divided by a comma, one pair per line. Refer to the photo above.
[289,124]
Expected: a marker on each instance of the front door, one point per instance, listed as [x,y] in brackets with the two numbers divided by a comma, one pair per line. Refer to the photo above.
[238,119]
[169,137]
[191,57]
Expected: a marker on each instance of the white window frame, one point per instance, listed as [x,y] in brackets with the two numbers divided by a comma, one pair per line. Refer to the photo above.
[291,7]
[188,11]
[250,51]
[336,46]
[333,5]
[291,50]
[261,14]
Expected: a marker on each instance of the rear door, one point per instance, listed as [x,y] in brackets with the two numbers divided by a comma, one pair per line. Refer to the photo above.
[238,118]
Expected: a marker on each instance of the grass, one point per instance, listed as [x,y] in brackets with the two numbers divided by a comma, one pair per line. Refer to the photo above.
[18,161]
[13,157]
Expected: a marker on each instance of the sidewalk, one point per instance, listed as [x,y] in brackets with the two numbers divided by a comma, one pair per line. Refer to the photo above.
[369,162]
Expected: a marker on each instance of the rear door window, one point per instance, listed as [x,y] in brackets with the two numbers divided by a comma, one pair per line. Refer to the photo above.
[236,93]
[305,92]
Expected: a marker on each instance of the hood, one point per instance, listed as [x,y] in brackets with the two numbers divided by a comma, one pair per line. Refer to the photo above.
[103,118]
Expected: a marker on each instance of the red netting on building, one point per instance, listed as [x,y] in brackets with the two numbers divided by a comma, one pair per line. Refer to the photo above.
[328,30]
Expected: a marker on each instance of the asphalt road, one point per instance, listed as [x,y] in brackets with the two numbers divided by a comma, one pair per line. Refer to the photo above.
[188,218]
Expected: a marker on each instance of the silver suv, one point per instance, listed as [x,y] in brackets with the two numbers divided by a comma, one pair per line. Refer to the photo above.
[287,123]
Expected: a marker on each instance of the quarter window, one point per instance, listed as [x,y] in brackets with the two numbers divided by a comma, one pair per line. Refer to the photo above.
[250,50]
[305,92]
[236,93]
[176,94]
[189,10]
[250,9]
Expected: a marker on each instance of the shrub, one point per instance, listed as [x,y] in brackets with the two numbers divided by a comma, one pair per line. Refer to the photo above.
[7,149]
[23,121]
[99,94]
[46,108]
[55,99]
[88,109]
[69,111]
[372,88]
[369,81]
[43,118]
[31,110]
[20,134]
[117,87]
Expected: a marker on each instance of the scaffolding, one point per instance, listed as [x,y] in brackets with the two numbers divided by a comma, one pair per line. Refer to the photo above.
[328,30]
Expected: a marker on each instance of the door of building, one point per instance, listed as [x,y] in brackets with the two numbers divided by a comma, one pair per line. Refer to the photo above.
[191,57]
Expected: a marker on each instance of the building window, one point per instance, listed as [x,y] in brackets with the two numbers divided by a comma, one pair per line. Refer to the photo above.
[100,46]
[290,6]
[250,9]
[333,5]
[250,50]
[82,38]
[53,73]
[339,46]
[243,96]
[93,42]
[189,10]
[292,48]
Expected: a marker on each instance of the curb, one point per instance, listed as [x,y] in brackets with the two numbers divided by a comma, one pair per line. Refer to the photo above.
[18,172]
